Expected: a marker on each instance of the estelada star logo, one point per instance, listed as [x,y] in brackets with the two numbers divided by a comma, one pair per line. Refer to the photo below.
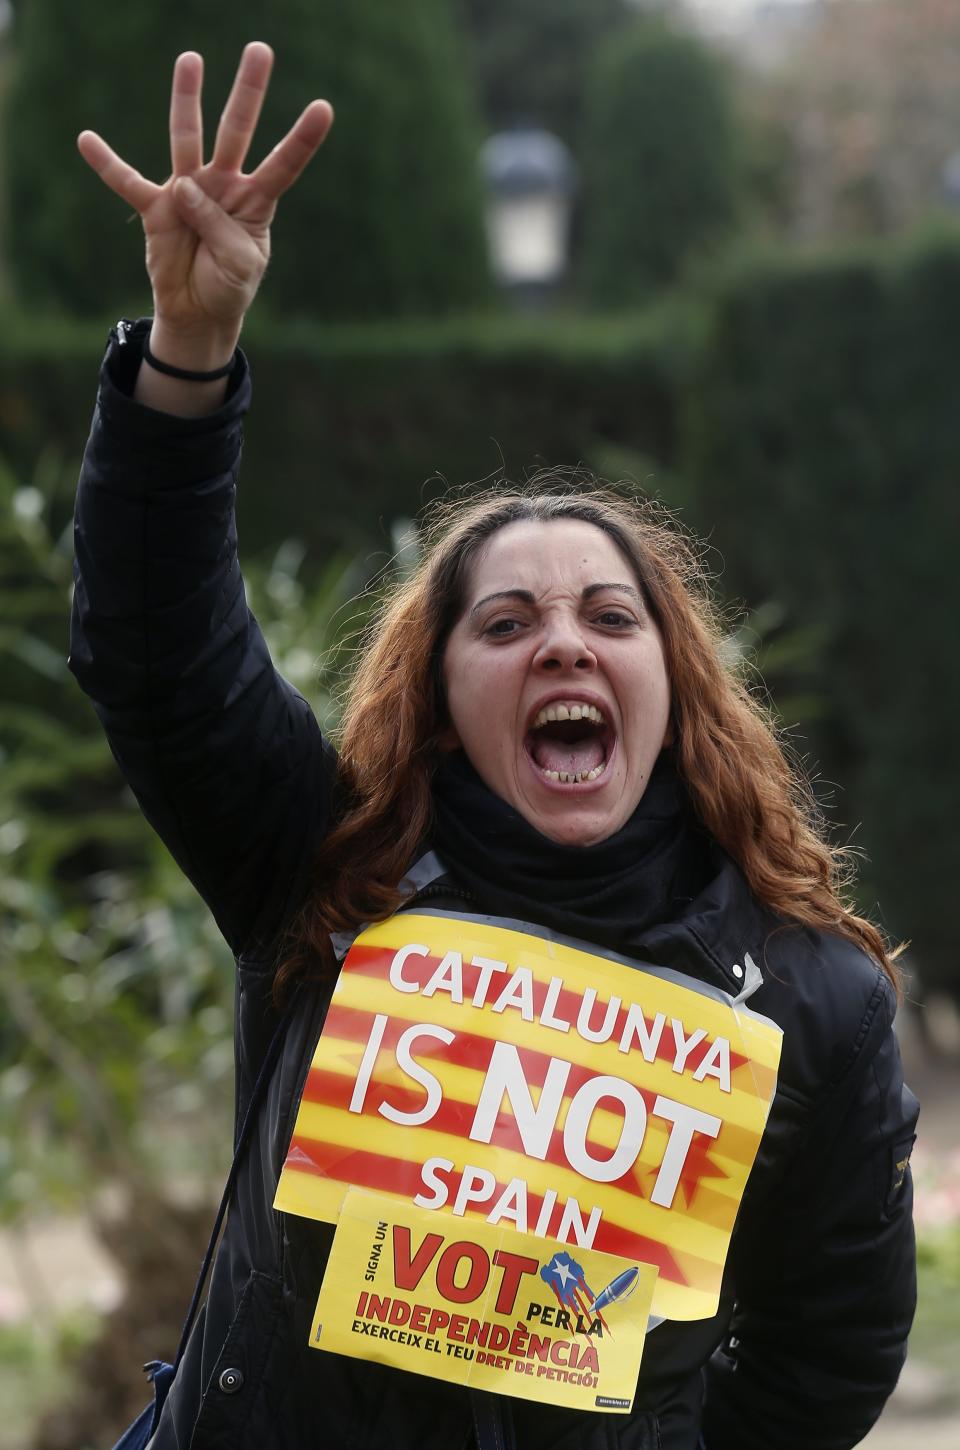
[569,1283]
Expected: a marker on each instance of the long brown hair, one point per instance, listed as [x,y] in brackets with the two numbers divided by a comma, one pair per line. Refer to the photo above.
[746,792]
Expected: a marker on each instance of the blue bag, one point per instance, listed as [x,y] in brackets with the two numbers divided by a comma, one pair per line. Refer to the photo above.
[138,1435]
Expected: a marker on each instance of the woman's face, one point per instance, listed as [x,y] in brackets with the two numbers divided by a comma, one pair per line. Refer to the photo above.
[555,678]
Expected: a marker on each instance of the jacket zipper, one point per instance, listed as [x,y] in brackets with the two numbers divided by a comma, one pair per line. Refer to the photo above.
[440,888]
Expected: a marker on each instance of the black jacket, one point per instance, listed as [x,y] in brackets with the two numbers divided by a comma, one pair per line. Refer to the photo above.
[228,765]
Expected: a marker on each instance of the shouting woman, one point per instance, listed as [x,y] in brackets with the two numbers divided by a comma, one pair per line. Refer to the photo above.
[543,739]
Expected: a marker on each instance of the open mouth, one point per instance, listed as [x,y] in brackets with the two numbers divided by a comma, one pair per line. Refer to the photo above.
[570,742]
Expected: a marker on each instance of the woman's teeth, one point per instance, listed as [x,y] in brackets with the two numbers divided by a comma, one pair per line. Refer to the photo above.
[559,711]
[577,779]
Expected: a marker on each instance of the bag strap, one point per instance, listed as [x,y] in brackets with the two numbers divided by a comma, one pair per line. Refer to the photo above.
[243,1137]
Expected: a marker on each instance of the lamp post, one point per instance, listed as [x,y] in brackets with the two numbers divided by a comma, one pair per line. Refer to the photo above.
[950,177]
[530,179]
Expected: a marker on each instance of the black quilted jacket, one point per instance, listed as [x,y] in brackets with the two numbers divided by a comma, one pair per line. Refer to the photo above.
[229,767]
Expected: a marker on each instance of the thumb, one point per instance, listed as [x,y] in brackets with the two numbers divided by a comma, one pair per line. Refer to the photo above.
[229,242]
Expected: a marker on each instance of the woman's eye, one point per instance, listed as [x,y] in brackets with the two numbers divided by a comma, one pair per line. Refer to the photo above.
[615,618]
[502,628]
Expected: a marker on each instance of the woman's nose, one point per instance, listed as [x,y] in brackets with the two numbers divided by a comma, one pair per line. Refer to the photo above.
[563,646]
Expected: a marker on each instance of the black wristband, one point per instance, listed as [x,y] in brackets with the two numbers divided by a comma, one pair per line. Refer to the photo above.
[185,374]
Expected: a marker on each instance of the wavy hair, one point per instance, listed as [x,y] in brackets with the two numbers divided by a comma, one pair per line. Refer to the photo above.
[746,791]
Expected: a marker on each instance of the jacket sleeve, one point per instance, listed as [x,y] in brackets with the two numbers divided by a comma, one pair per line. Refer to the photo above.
[825,1274]
[224,757]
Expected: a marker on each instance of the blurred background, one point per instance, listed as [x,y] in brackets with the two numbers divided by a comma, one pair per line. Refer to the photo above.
[712,248]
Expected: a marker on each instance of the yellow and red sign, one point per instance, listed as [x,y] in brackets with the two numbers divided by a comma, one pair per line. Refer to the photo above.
[481,1306]
[502,1076]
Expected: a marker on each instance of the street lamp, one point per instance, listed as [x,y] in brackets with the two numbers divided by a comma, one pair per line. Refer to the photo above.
[530,178]
[950,177]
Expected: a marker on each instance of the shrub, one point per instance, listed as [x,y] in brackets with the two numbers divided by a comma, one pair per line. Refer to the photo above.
[528,59]
[822,439]
[660,162]
[387,222]
[352,426]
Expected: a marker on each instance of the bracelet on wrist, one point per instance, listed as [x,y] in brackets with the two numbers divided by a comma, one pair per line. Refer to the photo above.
[186,375]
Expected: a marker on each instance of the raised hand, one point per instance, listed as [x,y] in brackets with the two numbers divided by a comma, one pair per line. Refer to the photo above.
[207,226]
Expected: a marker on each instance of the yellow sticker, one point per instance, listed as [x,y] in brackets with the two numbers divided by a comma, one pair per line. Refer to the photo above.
[505,1077]
[485,1307]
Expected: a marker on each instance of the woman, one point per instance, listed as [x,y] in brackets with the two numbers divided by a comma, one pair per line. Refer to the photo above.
[545,706]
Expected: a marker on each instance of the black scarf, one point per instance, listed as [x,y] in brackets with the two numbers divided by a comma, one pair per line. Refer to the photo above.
[608,893]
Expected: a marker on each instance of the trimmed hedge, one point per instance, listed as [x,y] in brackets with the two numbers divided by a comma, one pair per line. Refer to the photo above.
[351,427]
[529,60]
[822,441]
[665,175]
[388,221]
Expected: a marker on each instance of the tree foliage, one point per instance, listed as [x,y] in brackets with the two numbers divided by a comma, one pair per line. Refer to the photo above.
[528,59]
[387,221]
[116,992]
[866,111]
[661,162]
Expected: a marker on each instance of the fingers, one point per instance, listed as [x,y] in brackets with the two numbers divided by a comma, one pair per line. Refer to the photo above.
[115,173]
[275,174]
[186,118]
[242,111]
[278,171]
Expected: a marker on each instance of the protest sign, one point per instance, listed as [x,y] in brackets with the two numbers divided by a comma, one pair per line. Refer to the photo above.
[481,1069]
[480,1306]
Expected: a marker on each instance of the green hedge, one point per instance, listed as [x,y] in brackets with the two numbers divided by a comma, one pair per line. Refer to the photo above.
[822,442]
[351,427]
[664,180]
[386,222]
[529,60]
